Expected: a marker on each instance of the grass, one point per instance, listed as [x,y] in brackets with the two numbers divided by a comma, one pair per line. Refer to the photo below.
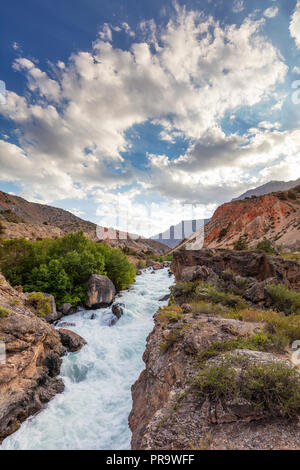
[40,304]
[170,313]
[284,299]
[4,312]
[274,387]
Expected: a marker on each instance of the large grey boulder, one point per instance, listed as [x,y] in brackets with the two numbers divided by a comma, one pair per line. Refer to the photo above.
[101,292]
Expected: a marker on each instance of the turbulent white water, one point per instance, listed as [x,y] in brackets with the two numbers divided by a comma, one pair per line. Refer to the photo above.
[92,413]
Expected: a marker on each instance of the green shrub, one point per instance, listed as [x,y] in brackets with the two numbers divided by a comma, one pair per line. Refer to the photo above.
[4,312]
[282,196]
[284,299]
[292,195]
[241,244]
[141,264]
[274,387]
[265,246]
[40,304]
[222,234]
[62,267]
[172,313]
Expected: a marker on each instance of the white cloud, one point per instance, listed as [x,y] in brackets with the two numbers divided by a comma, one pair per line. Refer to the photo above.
[295,24]
[296,70]
[186,77]
[238,6]
[271,12]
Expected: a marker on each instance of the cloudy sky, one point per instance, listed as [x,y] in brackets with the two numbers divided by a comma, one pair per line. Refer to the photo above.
[141,109]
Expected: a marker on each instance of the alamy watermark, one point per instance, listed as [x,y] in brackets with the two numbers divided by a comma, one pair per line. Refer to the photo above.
[144,219]
[2,92]
[2,353]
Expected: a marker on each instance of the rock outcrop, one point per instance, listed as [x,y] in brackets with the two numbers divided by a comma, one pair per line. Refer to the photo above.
[71,340]
[166,412]
[206,264]
[67,309]
[28,376]
[101,292]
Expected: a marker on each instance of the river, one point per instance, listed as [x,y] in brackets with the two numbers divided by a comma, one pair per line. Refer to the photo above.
[93,411]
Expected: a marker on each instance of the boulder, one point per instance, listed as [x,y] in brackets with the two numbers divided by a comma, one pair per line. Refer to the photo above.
[186,308]
[118,310]
[198,273]
[101,292]
[71,340]
[67,309]
[66,324]
[150,263]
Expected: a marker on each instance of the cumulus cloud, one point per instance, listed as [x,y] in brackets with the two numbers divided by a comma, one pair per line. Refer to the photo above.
[238,6]
[295,24]
[271,12]
[185,77]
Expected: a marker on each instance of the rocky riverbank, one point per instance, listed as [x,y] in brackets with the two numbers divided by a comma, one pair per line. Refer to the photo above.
[29,372]
[218,370]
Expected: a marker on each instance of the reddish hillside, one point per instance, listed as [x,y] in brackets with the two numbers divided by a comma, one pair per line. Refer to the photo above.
[275,216]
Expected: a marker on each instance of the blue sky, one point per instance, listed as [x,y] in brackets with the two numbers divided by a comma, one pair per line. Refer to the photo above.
[147,111]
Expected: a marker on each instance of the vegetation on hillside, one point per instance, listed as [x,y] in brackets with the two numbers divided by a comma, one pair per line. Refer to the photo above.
[62,267]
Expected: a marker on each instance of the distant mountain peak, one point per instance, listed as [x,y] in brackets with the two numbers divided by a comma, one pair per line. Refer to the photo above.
[270,187]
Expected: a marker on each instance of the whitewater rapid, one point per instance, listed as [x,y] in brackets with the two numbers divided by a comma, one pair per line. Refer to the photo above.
[92,413]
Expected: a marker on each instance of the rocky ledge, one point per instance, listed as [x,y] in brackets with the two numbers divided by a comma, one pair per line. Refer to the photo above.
[219,371]
[30,368]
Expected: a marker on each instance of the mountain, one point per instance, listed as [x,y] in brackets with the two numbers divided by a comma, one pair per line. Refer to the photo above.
[177,233]
[20,218]
[273,216]
[271,187]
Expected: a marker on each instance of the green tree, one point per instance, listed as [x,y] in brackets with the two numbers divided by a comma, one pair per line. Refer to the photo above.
[241,244]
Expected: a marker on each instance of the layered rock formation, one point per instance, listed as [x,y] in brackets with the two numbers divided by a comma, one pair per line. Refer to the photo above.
[28,378]
[260,266]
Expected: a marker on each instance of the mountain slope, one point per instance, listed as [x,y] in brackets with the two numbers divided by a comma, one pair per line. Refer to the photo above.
[20,218]
[274,216]
[271,187]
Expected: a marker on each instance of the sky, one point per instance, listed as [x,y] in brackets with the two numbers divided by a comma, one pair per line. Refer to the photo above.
[137,114]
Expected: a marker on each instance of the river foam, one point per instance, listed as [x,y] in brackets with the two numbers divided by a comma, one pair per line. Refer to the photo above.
[92,413]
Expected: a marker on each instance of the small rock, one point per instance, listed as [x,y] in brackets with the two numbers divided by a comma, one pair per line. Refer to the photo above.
[165,298]
[66,324]
[118,310]
[68,309]
[186,308]
[71,340]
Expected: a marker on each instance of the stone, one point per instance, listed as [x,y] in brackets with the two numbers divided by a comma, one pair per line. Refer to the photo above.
[68,309]
[186,308]
[118,310]
[101,292]
[165,298]
[66,324]
[71,340]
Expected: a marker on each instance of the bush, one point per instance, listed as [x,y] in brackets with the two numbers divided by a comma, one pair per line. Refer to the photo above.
[282,196]
[172,313]
[4,312]
[40,304]
[284,299]
[265,246]
[274,387]
[292,195]
[241,244]
[141,264]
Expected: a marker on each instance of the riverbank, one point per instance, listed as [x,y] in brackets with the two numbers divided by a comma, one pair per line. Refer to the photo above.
[92,412]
